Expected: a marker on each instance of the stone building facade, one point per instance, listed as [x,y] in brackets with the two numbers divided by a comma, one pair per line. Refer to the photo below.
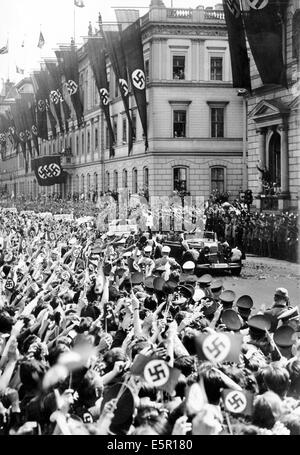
[195,118]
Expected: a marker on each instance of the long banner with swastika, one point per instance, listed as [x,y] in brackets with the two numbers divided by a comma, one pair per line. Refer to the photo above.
[48,170]
[97,57]
[133,49]
[263,21]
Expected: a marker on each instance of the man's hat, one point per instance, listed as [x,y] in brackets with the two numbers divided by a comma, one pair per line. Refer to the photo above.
[185,291]
[259,322]
[231,319]
[244,302]
[205,280]
[166,249]
[282,292]
[189,265]
[137,278]
[227,298]
[147,249]
[127,254]
[188,278]
[216,285]
[283,336]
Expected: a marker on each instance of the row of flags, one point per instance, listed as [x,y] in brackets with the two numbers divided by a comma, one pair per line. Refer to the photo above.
[260,22]
[40,44]
[57,92]
[57,89]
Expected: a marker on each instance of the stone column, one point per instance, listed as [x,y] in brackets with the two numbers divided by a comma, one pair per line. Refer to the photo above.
[261,149]
[284,159]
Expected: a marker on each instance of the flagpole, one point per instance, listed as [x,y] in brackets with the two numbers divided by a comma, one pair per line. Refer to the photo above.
[74,21]
[8,57]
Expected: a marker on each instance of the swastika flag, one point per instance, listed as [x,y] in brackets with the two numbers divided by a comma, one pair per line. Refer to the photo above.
[219,347]
[156,372]
[48,170]
[238,401]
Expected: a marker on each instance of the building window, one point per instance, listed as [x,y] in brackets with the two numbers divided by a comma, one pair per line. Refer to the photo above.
[146,177]
[77,145]
[217,121]
[178,67]
[180,179]
[125,179]
[107,181]
[134,125]
[147,69]
[82,184]
[88,142]
[116,181]
[115,128]
[96,138]
[274,158]
[82,143]
[216,68]
[96,181]
[179,124]
[88,182]
[296,35]
[134,181]
[124,130]
[53,148]
[218,179]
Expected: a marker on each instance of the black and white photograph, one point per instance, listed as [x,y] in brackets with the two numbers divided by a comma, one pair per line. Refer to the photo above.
[149,221]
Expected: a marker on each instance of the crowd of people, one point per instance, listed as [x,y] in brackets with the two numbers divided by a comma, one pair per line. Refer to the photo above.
[107,334]
[263,234]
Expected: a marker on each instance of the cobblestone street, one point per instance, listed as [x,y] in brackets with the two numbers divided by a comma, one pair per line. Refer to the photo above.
[261,276]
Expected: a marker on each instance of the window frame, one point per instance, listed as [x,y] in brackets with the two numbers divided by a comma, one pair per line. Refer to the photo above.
[135,187]
[125,178]
[179,55]
[214,56]
[213,168]
[175,111]
[218,105]
[175,168]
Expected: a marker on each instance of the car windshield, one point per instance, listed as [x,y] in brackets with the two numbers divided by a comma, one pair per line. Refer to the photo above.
[200,234]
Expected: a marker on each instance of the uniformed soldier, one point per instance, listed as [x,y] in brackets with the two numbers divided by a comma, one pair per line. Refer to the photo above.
[204,282]
[244,305]
[187,275]
[281,302]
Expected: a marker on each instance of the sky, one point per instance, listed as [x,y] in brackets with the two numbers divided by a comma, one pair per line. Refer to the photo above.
[22,21]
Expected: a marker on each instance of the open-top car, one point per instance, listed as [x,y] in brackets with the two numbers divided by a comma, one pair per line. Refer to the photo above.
[209,255]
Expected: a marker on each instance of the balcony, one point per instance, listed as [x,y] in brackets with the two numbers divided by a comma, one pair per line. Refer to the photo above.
[184,15]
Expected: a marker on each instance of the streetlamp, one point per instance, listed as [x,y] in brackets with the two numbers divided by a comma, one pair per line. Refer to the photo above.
[244,93]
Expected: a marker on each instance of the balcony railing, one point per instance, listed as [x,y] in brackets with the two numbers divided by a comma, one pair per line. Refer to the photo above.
[179,13]
[214,14]
[196,16]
